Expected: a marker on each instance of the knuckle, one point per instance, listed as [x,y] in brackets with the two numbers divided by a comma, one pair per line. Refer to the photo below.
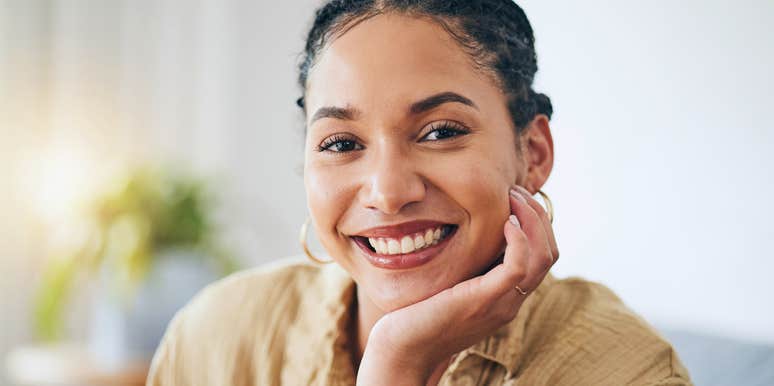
[545,262]
[519,274]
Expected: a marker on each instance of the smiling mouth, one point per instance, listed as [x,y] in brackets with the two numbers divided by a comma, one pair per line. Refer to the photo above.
[408,243]
[407,251]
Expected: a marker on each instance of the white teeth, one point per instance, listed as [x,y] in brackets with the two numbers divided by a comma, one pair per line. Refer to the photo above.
[429,237]
[419,241]
[393,247]
[407,244]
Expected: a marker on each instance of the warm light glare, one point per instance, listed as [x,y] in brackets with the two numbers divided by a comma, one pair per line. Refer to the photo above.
[58,183]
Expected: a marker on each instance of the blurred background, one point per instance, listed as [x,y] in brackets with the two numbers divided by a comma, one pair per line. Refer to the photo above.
[150,147]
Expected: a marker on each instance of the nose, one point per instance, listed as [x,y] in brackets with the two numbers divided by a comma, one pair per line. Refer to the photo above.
[393,182]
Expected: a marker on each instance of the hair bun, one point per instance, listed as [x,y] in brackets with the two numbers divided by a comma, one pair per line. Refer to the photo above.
[543,104]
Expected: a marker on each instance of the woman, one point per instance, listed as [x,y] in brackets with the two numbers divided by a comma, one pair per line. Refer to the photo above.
[424,146]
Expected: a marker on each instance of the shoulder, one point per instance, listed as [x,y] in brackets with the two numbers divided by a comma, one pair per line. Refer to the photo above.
[586,331]
[237,315]
[273,283]
[249,294]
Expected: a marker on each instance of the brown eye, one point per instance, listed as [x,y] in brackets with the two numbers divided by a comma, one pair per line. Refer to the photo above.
[339,144]
[445,130]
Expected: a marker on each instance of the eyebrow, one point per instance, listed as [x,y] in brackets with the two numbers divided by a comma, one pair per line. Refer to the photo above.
[419,107]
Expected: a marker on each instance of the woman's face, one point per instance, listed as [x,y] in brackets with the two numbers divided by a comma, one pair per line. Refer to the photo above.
[384,161]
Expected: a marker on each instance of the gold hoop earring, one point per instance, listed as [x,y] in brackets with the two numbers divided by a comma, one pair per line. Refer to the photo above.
[302,239]
[549,205]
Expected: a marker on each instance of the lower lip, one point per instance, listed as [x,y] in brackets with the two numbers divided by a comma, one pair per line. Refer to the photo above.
[406,260]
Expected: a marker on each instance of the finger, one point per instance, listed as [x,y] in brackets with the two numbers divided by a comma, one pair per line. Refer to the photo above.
[516,260]
[504,276]
[519,266]
[517,253]
[540,258]
[541,212]
[515,266]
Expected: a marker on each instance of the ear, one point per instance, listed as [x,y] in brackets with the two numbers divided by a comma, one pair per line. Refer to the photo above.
[538,148]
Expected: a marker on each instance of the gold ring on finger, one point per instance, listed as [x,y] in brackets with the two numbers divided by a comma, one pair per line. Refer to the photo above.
[521,291]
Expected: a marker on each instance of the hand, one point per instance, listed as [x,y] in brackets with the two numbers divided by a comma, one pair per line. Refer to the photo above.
[406,345]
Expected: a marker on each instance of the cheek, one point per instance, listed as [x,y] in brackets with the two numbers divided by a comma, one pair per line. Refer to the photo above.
[483,193]
[328,196]
[479,185]
[326,199]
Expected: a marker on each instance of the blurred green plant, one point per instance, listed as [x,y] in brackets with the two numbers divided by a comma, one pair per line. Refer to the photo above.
[152,211]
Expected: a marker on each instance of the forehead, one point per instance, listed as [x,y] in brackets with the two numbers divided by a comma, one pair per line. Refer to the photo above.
[391,60]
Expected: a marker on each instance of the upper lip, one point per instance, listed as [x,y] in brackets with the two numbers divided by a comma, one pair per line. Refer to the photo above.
[398,230]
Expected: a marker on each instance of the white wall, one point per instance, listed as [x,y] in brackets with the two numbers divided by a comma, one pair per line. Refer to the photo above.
[662,128]
[664,138]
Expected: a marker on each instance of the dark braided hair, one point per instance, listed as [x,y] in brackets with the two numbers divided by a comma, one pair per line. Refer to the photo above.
[496,34]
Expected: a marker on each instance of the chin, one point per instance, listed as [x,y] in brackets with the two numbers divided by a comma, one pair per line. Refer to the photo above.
[389,299]
[392,290]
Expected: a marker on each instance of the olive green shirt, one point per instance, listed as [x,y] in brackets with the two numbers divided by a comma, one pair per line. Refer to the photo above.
[285,324]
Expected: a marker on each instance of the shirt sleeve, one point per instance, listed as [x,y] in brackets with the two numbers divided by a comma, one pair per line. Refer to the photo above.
[163,369]
[582,333]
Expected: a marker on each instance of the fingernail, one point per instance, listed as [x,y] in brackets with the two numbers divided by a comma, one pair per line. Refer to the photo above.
[514,221]
[524,190]
[518,196]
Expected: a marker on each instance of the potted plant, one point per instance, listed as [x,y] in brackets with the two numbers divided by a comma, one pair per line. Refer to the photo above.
[151,243]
